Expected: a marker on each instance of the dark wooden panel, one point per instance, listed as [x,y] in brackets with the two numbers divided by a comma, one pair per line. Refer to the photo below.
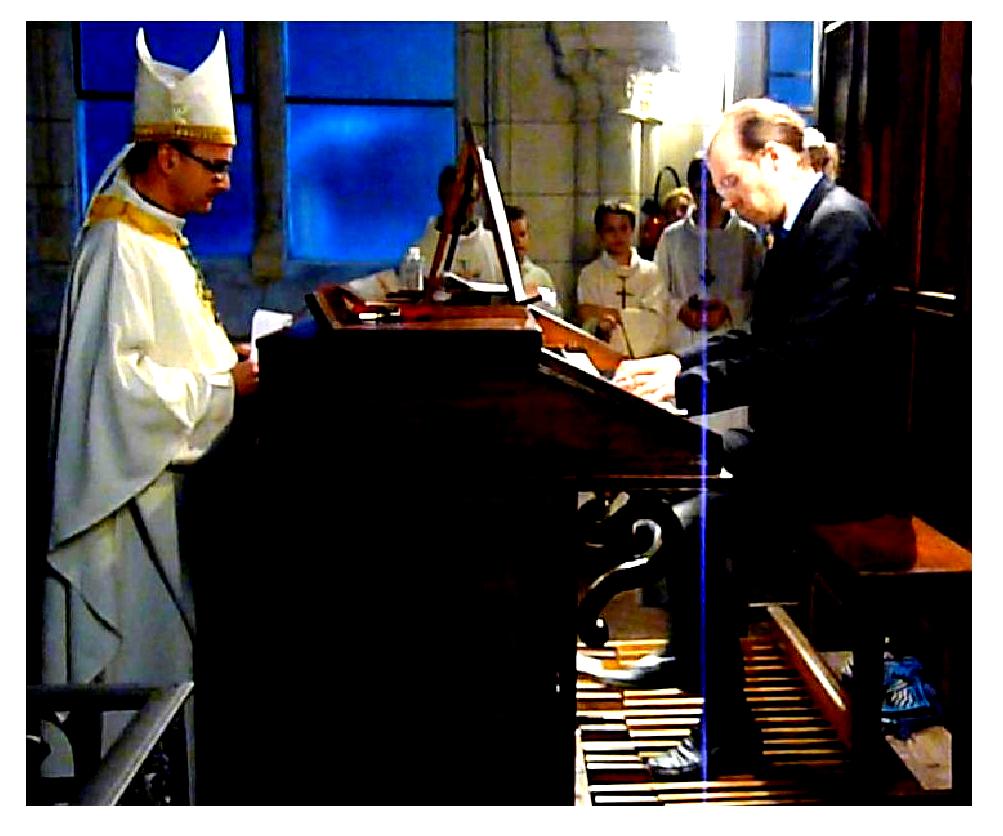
[417,491]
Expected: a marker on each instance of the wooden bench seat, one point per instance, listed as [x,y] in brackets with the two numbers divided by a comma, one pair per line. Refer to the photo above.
[901,546]
[882,575]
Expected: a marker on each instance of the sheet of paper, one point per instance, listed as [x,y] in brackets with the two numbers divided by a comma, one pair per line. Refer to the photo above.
[375,286]
[727,419]
[581,360]
[670,406]
[266,322]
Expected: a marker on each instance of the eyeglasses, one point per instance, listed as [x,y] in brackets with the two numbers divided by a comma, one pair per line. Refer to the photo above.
[217,167]
[729,182]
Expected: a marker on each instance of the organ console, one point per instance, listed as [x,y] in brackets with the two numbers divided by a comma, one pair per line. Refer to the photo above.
[404,630]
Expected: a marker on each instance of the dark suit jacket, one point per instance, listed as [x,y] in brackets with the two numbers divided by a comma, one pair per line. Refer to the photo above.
[815,371]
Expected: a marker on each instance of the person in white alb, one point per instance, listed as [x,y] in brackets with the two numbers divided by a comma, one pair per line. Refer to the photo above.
[709,260]
[622,299]
[535,279]
[146,381]
[476,256]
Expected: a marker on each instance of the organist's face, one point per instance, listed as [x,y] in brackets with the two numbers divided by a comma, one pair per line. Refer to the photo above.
[748,182]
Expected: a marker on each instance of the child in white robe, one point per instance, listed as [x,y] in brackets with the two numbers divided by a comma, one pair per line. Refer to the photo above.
[622,298]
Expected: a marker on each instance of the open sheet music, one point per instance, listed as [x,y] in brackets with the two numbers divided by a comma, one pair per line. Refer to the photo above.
[265,322]
[500,228]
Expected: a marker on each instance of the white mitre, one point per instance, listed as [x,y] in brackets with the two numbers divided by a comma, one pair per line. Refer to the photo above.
[172,103]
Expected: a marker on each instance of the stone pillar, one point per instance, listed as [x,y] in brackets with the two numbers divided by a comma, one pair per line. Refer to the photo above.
[51,217]
[266,48]
[599,59]
[52,214]
[472,90]
[650,155]
[530,139]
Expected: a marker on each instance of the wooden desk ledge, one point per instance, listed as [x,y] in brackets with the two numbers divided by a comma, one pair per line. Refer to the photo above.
[894,545]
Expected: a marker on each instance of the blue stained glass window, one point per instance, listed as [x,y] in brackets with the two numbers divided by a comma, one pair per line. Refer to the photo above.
[791,45]
[105,126]
[108,51]
[362,179]
[411,61]
[794,91]
[790,63]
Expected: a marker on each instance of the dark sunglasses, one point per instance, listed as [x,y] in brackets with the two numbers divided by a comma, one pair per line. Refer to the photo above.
[218,167]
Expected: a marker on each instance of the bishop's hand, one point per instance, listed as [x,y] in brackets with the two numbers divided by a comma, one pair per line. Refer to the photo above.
[245,377]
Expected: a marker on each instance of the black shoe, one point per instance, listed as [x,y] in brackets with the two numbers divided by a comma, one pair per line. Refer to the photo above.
[741,755]
[652,671]
[685,761]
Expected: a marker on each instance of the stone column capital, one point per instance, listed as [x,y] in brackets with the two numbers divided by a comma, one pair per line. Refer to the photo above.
[603,57]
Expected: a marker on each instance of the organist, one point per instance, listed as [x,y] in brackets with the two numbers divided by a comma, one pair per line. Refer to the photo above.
[814,372]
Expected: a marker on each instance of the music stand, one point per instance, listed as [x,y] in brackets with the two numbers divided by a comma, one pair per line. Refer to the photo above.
[473,163]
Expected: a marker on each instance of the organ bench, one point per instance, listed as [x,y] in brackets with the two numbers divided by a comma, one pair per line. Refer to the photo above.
[885,577]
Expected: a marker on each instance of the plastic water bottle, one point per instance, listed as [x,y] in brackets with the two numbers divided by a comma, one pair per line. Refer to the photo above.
[412,274]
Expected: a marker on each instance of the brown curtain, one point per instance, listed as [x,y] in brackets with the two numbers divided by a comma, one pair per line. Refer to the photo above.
[897,97]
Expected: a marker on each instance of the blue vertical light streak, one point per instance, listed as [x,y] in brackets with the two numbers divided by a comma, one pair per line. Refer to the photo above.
[702,224]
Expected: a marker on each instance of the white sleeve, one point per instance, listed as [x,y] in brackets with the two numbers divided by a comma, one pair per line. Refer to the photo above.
[646,322]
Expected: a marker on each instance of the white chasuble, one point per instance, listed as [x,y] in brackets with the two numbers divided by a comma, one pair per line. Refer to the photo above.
[145,383]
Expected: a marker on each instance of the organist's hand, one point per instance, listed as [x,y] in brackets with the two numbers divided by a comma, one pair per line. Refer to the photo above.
[651,378]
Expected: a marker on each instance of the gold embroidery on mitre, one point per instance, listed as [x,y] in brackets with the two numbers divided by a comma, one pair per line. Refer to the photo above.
[166,131]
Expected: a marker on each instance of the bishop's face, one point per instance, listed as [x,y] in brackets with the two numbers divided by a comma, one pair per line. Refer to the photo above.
[748,182]
[201,174]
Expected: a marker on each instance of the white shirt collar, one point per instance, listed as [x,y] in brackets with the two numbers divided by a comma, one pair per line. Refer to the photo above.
[125,189]
[796,197]
[608,261]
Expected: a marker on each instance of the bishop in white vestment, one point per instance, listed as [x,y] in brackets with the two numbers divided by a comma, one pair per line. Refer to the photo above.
[145,384]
